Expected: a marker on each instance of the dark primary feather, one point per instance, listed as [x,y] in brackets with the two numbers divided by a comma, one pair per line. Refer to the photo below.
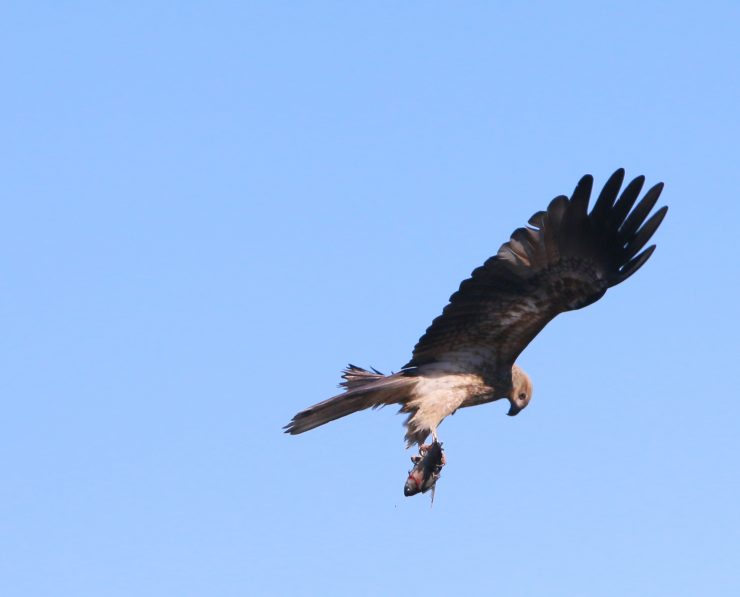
[566,259]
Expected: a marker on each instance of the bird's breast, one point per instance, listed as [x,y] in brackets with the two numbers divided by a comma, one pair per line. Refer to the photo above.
[438,395]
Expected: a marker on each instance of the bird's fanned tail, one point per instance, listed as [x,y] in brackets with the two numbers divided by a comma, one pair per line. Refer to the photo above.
[363,389]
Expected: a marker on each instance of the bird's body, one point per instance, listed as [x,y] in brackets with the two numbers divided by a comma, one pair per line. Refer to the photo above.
[436,396]
[566,259]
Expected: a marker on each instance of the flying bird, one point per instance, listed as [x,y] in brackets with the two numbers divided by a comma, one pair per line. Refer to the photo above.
[564,260]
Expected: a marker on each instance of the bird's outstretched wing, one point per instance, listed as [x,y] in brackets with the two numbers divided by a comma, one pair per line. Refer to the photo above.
[566,259]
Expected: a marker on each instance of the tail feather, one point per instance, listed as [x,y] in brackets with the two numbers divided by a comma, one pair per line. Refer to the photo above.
[363,389]
[355,377]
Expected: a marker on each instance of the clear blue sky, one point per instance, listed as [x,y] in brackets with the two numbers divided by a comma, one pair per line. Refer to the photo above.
[208,209]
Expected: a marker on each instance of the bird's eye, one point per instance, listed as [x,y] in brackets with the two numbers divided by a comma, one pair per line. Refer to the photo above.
[522,396]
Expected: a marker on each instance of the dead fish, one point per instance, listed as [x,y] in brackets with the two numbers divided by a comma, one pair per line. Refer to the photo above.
[427,468]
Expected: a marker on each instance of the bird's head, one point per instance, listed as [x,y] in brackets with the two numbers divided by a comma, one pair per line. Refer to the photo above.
[521,391]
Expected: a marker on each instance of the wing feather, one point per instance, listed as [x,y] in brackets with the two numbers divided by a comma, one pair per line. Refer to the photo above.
[638,215]
[627,199]
[566,259]
[608,195]
[635,264]
[644,233]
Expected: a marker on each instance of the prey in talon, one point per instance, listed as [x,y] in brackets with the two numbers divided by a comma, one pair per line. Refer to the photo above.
[427,468]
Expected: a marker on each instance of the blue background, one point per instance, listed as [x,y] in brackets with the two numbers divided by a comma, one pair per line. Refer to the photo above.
[208,209]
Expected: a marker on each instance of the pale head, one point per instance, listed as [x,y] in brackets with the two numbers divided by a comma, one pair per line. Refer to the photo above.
[521,391]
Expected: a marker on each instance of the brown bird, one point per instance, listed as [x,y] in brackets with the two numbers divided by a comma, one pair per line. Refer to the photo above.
[565,259]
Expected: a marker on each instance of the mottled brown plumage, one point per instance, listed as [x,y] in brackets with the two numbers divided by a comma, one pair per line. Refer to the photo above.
[565,259]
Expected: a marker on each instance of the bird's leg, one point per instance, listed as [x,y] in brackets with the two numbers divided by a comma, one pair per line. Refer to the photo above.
[434,436]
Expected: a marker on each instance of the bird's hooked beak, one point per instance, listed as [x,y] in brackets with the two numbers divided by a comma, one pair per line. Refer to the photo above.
[513,409]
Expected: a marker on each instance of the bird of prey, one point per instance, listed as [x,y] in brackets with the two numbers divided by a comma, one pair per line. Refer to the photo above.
[565,259]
